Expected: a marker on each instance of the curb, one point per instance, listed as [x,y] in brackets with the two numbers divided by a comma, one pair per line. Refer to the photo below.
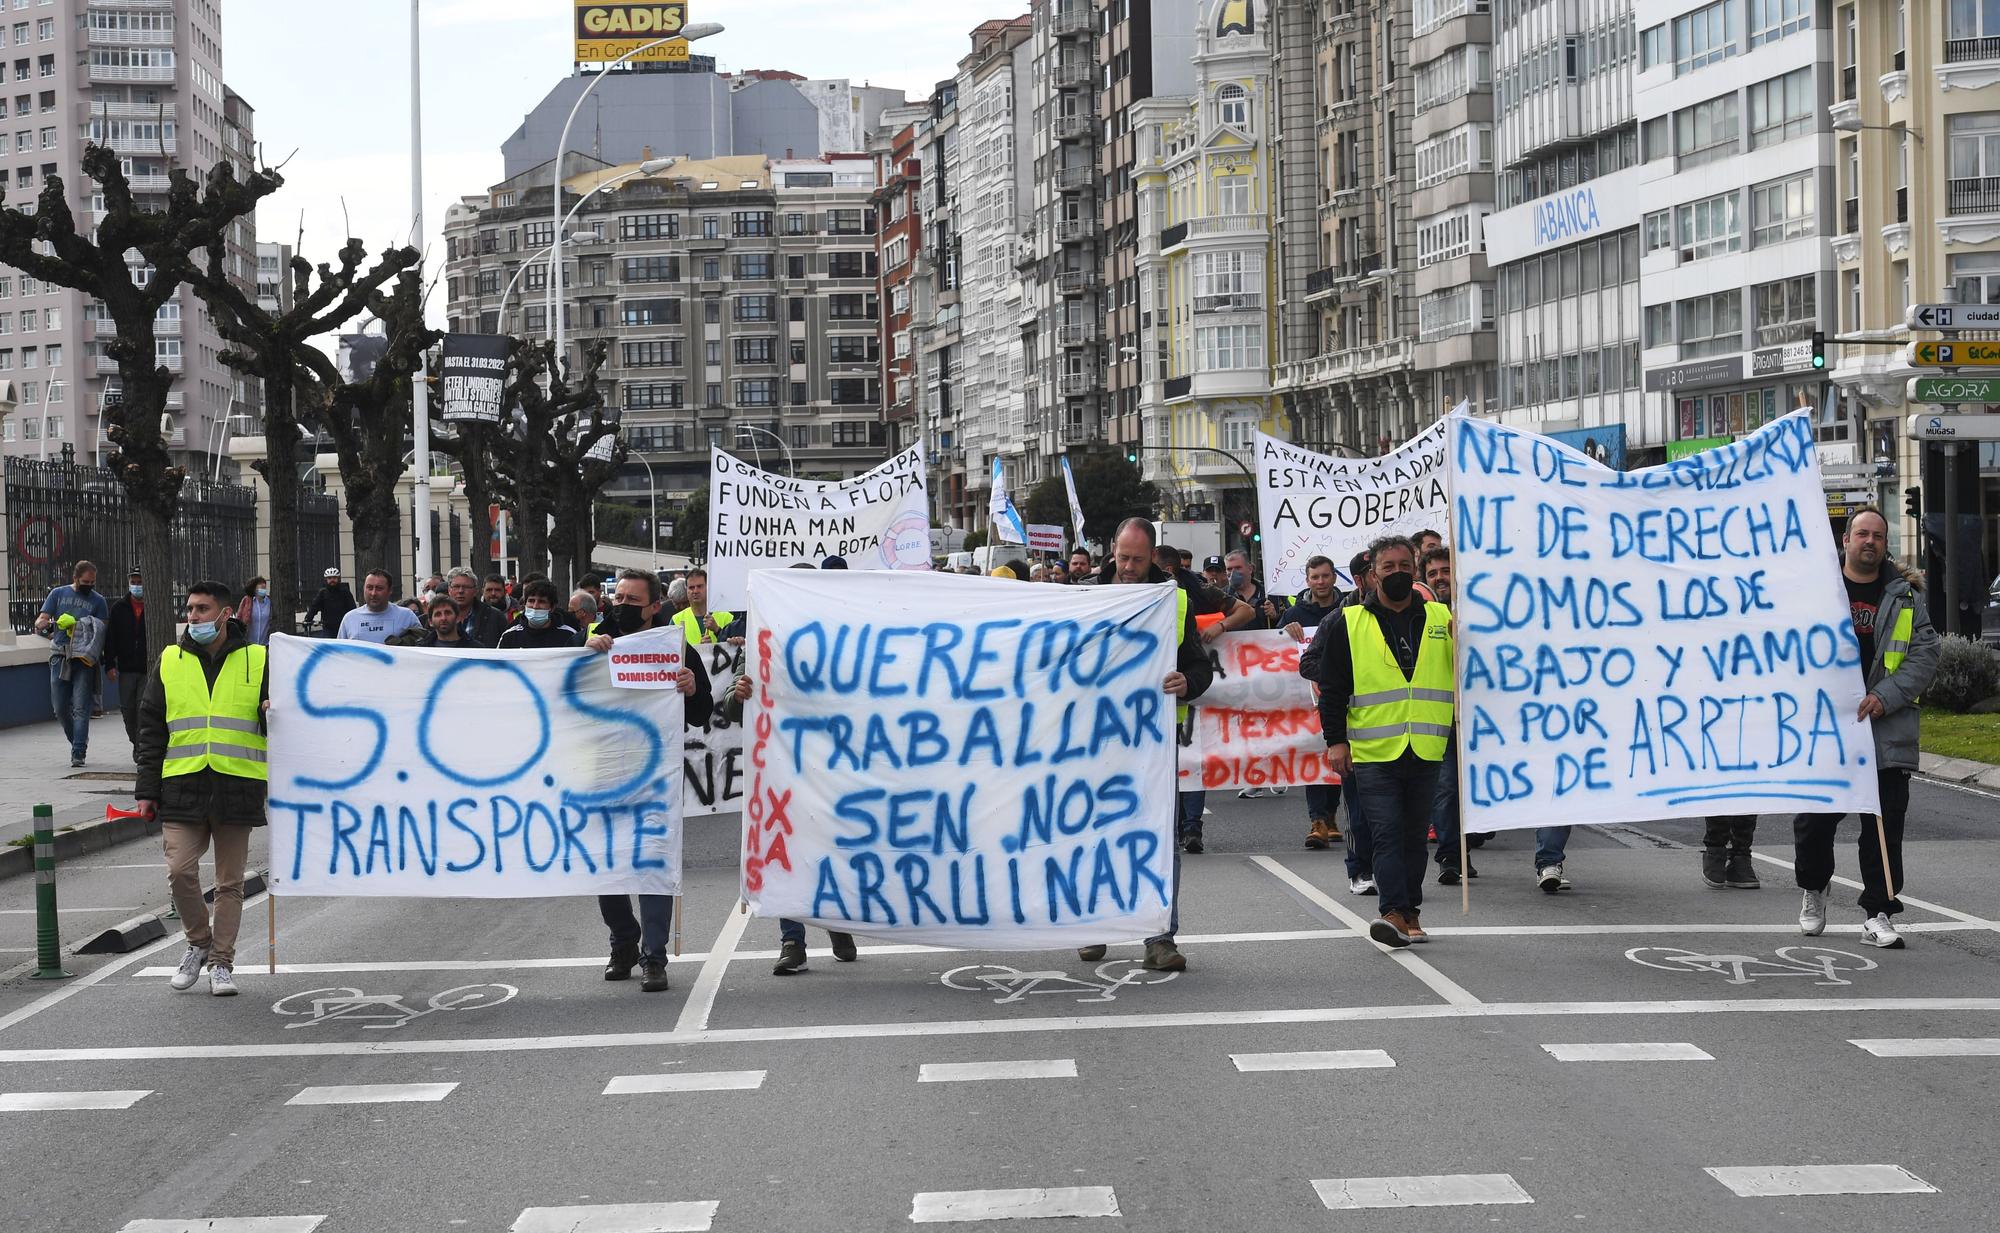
[89,837]
[128,936]
[1963,772]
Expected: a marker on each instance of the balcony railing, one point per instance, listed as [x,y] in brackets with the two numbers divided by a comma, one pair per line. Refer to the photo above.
[143,146]
[1077,384]
[1173,236]
[1903,205]
[133,111]
[1070,20]
[131,38]
[1230,302]
[1958,51]
[1076,282]
[1074,128]
[132,72]
[1226,224]
[133,4]
[1320,282]
[1071,74]
[1076,335]
[1977,195]
[1075,230]
[1079,432]
[1179,387]
[1073,178]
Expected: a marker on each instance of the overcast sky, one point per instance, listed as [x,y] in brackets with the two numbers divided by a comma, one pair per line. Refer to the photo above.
[330,81]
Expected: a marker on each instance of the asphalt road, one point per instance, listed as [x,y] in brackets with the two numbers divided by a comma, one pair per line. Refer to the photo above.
[532,1095]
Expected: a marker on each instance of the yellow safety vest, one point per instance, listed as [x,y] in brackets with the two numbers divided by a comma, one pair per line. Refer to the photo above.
[692,629]
[1897,647]
[1389,714]
[219,731]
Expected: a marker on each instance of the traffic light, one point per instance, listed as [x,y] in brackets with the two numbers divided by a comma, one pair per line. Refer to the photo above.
[1818,350]
[1913,503]
[1132,456]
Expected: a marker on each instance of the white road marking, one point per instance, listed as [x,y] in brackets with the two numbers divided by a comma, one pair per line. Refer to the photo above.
[1440,984]
[111,969]
[1766,1182]
[1976,922]
[701,999]
[372,1094]
[46,1102]
[1637,1051]
[1335,1059]
[1346,1194]
[973,1072]
[71,911]
[1003,1027]
[1941,1046]
[953,1206]
[698,1081]
[618,1218]
[227,1224]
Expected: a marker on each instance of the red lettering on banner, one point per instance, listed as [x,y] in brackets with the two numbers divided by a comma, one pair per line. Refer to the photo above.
[778,856]
[1252,659]
[1291,768]
[1228,724]
[778,816]
[754,861]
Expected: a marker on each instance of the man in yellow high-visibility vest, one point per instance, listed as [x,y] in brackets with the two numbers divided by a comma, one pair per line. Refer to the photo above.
[1385,706]
[698,624]
[202,773]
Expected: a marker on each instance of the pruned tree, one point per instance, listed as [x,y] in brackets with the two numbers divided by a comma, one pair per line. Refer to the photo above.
[587,453]
[47,244]
[277,349]
[475,446]
[551,403]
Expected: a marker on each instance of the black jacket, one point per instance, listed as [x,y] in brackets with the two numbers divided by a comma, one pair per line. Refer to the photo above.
[1334,666]
[331,604]
[698,705]
[229,799]
[483,625]
[521,636]
[125,639]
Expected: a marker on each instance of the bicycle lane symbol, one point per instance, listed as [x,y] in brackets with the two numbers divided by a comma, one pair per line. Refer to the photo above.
[1823,964]
[1013,985]
[384,1011]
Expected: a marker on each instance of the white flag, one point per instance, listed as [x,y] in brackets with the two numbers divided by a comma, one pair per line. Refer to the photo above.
[1075,508]
[1007,522]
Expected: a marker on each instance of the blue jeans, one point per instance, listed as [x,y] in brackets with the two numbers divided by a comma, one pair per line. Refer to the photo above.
[1188,820]
[1174,918]
[1444,807]
[1360,843]
[652,929]
[1322,799]
[72,700]
[1397,800]
[1549,844]
[791,931]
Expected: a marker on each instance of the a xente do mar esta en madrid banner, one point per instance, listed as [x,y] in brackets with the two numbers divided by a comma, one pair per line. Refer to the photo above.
[1311,504]
[756,520]
[1257,726]
[479,774]
[960,761]
[1671,642]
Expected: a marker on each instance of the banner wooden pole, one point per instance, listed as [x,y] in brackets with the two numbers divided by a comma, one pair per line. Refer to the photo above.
[1882,838]
[1464,871]
[271,928]
[677,924]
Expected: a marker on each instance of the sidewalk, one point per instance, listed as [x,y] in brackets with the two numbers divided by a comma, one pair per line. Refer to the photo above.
[35,770]
[1960,771]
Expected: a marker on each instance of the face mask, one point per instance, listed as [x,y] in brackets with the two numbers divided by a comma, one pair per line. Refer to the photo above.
[536,617]
[1236,577]
[263,592]
[85,588]
[1397,587]
[203,632]
[138,591]
[628,618]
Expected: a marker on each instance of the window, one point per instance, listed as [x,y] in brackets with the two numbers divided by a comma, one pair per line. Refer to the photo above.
[1977,277]
[1781,108]
[1710,228]
[1232,196]
[795,267]
[1706,131]
[1771,20]
[711,311]
[1975,151]
[795,224]
[654,353]
[757,392]
[850,349]
[756,351]
[753,265]
[1786,310]
[756,308]
[649,312]
[654,438]
[649,227]
[852,391]
[1232,106]
[538,235]
[752,222]
[1658,231]
[1710,324]
[850,265]
[850,307]
[1705,36]
[1442,239]
[711,269]
[1659,325]
[1462,150]
[712,352]
[1781,210]
[656,269]
[1227,280]
[848,222]
[1224,347]
[1453,75]
[851,432]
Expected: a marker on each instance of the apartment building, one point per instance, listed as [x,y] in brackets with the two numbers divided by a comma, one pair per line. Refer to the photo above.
[1916,116]
[1203,179]
[739,297]
[145,78]
[1563,240]
[937,341]
[899,244]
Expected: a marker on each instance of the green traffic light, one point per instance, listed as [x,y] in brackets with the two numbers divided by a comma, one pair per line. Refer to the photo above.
[1819,361]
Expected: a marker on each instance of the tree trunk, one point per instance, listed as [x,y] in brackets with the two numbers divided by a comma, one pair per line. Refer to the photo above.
[372,507]
[533,532]
[153,531]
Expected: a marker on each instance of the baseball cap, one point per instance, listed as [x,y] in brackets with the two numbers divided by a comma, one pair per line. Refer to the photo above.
[331,573]
[1360,564]
[1212,563]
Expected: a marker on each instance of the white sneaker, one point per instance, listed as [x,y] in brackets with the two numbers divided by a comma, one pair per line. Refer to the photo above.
[1877,931]
[222,981]
[190,969]
[1361,886]
[1812,913]
[1249,794]
[1551,879]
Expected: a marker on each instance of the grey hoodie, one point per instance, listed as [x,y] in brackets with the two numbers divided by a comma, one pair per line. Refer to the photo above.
[1896,729]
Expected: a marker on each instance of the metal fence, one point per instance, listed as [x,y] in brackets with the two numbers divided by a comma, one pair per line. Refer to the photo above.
[457,556]
[319,538]
[59,513]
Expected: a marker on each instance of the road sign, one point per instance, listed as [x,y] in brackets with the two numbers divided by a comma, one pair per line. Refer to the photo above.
[1952,316]
[1955,428]
[1951,390]
[39,541]
[1954,354]
[1849,496]
[1830,469]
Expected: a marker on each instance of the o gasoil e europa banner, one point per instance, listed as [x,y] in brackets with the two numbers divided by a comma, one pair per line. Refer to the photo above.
[756,520]
[478,774]
[1672,642]
[1309,504]
[959,761]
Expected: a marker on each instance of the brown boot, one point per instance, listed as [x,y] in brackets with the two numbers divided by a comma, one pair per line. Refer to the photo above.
[1415,930]
[1391,929]
[1316,837]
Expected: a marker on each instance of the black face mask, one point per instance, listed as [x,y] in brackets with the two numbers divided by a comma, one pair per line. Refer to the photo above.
[628,618]
[1396,587]
[85,588]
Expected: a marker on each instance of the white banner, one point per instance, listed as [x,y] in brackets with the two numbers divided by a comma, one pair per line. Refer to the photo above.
[714,752]
[1312,504]
[1045,537]
[757,520]
[1665,643]
[1258,724]
[474,774]
[931,765]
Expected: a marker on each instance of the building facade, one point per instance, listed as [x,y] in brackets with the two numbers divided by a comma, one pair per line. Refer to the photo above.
[899,246]
[145,79]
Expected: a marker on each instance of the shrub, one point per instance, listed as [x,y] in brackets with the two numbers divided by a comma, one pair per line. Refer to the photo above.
[1968,673]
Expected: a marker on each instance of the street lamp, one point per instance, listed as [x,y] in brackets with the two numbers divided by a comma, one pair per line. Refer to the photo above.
[653,491]
[791,467]
[651,167]
[699,30]
[1852,124]
[48,391]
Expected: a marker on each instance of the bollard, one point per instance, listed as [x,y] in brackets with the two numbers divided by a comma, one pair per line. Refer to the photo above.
[48,934]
